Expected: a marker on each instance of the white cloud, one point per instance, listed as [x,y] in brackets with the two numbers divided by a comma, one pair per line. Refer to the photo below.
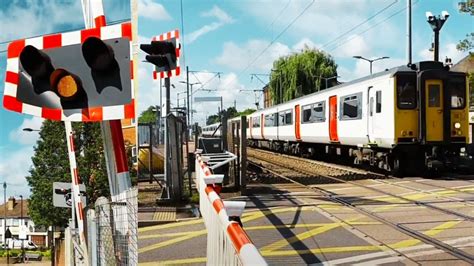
[238,57]
[448,50]
[24,137]
[218,13]
[303,43]
[38,17]
[14,168]
[222,19]
[152,10]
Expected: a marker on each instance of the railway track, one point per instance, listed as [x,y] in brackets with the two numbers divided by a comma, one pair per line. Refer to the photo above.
[345,174]
[313,172]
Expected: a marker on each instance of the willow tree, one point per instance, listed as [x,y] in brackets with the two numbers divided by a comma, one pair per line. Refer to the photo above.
[301,74]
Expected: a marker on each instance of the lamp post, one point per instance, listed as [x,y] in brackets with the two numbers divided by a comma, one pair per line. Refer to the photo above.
[5,213]
[370,60]
[436,23]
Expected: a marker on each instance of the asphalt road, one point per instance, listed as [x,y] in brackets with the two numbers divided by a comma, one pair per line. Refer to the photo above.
[295,226]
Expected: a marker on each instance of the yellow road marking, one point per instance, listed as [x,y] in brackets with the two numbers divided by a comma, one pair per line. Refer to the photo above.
[433,231]
[300,237]
[174,262]
[171,241]
[170,225]
[253,228]
[269,253]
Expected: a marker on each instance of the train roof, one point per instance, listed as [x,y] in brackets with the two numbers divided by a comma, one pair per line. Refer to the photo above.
[419,66]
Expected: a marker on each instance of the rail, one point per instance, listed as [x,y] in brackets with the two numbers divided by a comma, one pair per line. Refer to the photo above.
[227,242]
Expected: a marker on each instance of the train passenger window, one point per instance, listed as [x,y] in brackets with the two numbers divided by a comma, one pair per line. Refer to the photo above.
[256,121]
[351,107]
[271,120]
[406,91]
[315,112]
[289,117]
[457,89]
[281,118]
[378,102]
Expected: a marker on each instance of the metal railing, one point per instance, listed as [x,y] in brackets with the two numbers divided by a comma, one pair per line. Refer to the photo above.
[227,242]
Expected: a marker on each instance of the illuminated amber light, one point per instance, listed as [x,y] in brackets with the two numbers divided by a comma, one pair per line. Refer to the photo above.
[67,86]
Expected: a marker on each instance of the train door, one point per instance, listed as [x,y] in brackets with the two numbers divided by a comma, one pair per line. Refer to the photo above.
[297,122]
[333,119]
[262,125]
[434,110]
[370,113]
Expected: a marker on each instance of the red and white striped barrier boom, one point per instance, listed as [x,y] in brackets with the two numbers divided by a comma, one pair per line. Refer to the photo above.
[77,200]
[227,242]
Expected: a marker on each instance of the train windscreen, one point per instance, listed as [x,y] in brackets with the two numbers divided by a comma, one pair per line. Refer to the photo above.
[406,90]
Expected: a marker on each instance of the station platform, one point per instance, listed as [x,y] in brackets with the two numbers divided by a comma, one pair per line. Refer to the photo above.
[291,225]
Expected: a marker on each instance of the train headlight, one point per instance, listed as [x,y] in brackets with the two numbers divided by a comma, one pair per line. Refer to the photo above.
[457,125]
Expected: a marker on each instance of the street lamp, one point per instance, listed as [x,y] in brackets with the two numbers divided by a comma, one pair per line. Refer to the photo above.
[436,23]
[370,60]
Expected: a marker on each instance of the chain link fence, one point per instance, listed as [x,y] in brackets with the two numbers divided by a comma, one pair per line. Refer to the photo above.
[113,235]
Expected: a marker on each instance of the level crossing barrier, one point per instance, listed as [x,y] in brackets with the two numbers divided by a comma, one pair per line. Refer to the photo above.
[227,242]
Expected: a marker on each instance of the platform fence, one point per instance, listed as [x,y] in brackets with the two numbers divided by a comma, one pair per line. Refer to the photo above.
[227,242]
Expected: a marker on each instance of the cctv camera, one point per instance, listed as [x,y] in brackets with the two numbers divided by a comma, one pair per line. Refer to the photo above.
[429,16]
[445,14]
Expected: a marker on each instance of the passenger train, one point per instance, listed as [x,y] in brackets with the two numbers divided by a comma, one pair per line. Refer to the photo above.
[403,120]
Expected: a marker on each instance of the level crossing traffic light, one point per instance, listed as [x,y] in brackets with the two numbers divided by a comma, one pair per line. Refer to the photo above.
[163,52]
[75,76]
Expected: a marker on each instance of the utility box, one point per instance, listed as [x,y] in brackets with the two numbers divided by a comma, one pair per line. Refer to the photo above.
[210,145]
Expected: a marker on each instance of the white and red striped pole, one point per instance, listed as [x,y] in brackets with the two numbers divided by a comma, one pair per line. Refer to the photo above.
[77,210]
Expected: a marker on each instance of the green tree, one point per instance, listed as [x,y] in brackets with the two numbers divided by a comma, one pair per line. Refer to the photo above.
[148,116]
[91,161]
[212,119]
[246,111]
[467,45]
[51,164]
[301,74]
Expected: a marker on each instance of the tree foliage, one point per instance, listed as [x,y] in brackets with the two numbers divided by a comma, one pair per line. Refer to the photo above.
[231,113]
[51,164]
[148,116]
[467,45]
[301,74]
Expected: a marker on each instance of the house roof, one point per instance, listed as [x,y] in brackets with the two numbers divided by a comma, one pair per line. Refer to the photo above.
[16,212]
[465,65]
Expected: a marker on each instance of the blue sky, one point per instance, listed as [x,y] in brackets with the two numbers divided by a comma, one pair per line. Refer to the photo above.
[236,38]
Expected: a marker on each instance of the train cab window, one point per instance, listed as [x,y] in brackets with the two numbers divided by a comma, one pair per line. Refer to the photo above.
[434,94]
[313,113]
[457,91]
[351,107]
[378,102]
[406,91]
